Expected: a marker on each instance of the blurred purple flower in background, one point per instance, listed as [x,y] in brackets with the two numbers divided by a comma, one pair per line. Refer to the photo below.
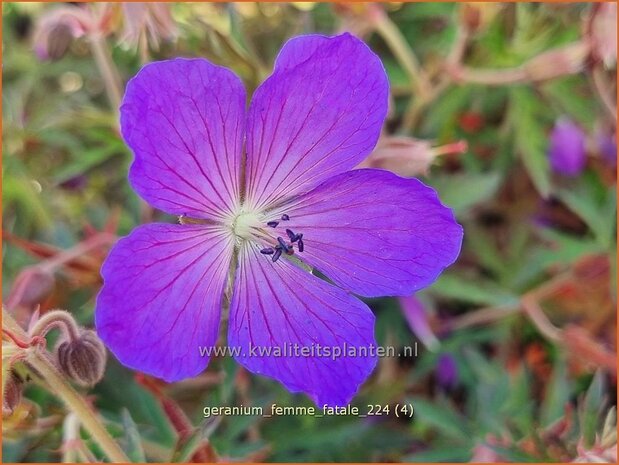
[446,371]
[567,148]
[251,225]
[607,147]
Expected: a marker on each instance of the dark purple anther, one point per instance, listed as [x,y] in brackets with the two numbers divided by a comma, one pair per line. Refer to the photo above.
[291,235]
[285,247]
[277,254]
[273,224]
[268,251]
[285,217]
[301,246]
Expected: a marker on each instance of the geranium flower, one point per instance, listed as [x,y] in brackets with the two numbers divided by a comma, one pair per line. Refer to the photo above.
[262,196]
[567,148]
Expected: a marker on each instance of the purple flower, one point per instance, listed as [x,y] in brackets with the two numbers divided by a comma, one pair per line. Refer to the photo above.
[447,371]
[607,147]
[567,148]
[263,195]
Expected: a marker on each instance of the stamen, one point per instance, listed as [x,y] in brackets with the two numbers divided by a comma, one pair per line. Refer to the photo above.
[291,235]
[268,251]
[301,245]
[278,253]
[285,217]
[285,247]
[273,224]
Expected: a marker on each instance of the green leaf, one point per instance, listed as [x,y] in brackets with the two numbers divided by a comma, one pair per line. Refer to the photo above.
[530,140]
[442,417]
[474,290]
[133,442]
[461,192]
[599,216]
[557,395]
[85,162]
[567,93]
[591,408]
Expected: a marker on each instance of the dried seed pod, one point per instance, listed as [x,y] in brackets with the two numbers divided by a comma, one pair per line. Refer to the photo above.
[12,395]
[82,359]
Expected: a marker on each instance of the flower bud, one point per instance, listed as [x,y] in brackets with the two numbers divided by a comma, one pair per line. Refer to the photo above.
[57,28]
[603,33]
[58,42]
[83,358]
[561,61]
[11,397]
[407,156]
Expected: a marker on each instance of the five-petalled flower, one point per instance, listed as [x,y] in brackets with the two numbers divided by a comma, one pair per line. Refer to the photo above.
[264,194]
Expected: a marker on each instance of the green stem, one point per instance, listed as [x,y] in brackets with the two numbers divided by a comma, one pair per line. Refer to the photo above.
[404,54]
[605,93]
[109,73]
[44,366]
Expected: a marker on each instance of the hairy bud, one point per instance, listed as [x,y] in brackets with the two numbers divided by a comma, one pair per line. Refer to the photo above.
[407,156]
[11,397]
[561,61]
[83,358]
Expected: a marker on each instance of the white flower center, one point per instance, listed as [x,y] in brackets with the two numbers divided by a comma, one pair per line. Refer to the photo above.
[246,225]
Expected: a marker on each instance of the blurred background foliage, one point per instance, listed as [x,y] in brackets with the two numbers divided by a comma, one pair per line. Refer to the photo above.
[517,340]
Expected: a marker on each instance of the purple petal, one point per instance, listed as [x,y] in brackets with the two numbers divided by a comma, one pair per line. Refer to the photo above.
[298,49]
[374,233]
[417,319]
[184,121]
[567,148]
[161,297]
[319,114]
[280,305]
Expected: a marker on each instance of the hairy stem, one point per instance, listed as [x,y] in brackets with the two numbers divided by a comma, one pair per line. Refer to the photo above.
[56,319]
[421,87]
